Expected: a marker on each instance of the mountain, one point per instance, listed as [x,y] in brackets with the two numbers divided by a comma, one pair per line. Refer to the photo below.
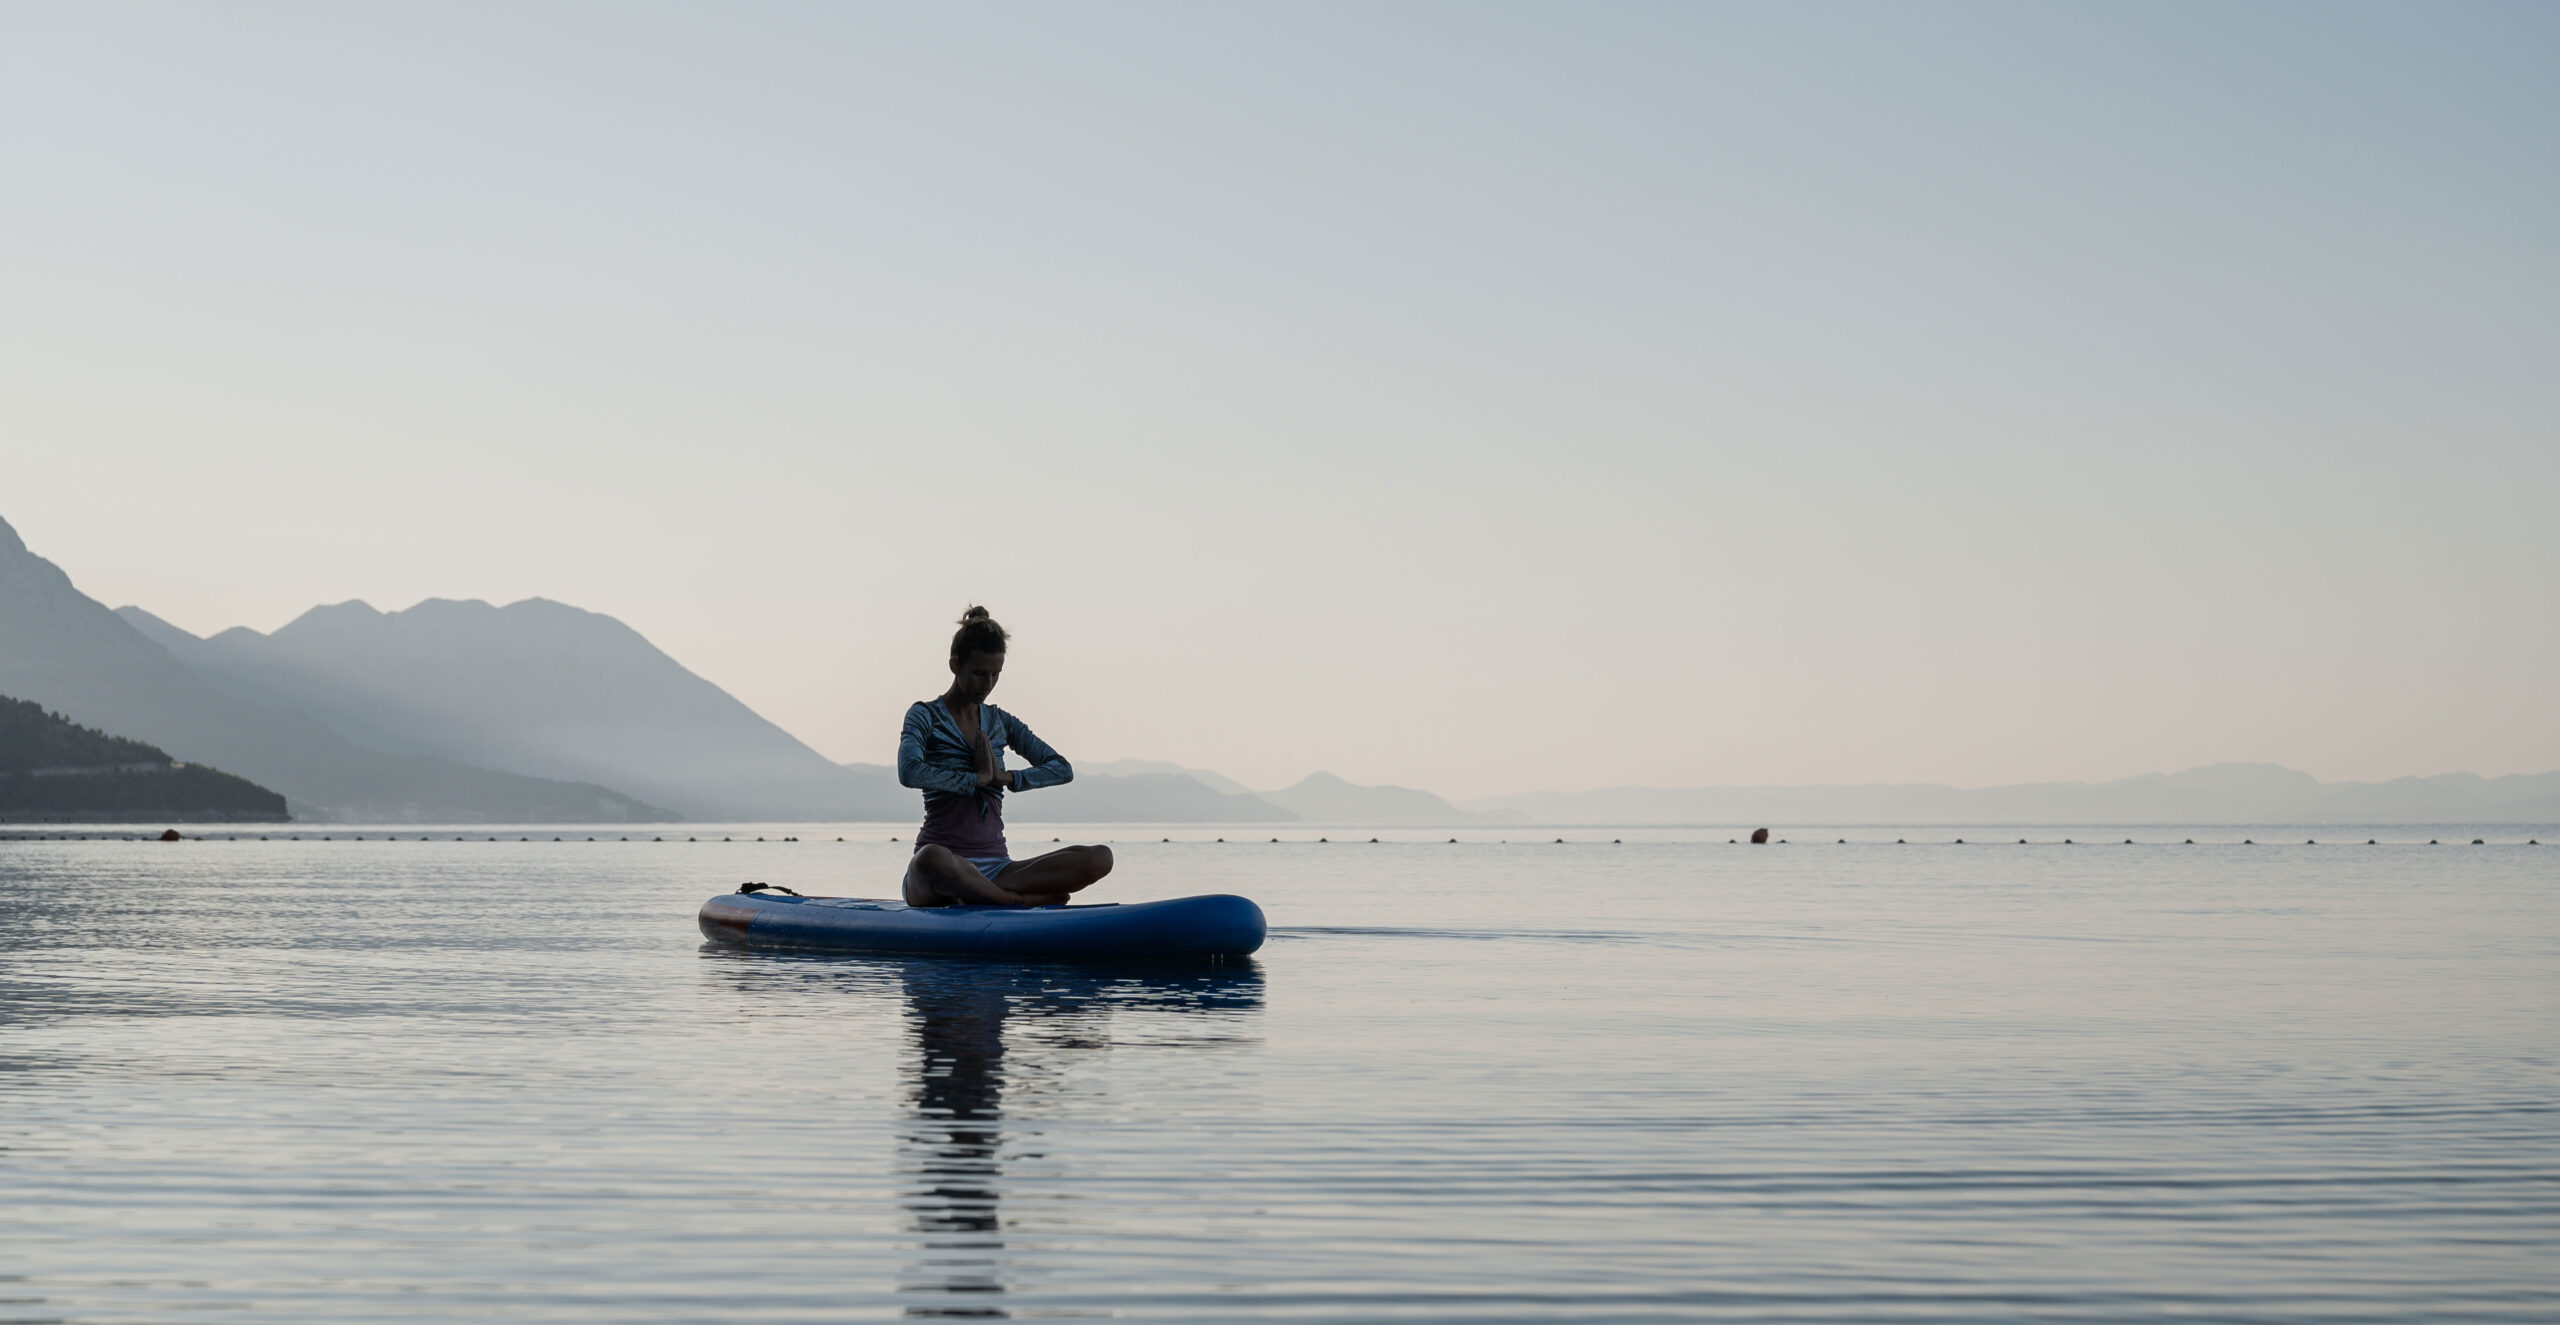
[54,770]
[1324,798]
[65,651]
[35,742]
[534,687]
[2218,793]
[1122,768]
[878,796]
[1159,793]
[1141,798]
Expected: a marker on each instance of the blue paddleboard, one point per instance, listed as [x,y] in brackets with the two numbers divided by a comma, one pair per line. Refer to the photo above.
[1216,926]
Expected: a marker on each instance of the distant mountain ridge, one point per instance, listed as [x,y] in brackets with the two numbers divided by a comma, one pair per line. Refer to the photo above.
[535,687]
[460,711]
[1140,798]
[1323,798]
[1153,791]
[2216,793]
[66,651]
[1121,768]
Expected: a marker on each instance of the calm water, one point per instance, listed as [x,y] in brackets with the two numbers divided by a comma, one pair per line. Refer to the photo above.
[1662,1079]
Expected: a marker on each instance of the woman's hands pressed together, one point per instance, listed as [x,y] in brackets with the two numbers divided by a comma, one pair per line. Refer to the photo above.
[991,769]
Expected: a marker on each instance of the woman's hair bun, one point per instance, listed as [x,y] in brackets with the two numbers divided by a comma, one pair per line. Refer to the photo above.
[978,633]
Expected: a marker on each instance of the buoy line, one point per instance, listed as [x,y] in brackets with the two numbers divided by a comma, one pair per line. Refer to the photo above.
[175,835]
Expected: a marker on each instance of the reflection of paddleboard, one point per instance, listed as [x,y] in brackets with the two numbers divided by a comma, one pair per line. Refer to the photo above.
[1215,926]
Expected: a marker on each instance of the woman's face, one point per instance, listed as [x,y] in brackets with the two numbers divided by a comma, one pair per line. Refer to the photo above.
[973,678]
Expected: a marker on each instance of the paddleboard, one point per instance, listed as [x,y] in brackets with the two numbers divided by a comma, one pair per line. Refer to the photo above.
[1219,925]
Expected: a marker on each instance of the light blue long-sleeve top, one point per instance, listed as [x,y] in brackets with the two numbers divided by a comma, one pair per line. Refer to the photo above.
[935,758]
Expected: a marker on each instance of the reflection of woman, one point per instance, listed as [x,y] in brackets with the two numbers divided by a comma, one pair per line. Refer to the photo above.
[953,751]
[978,1054]
[959,1093]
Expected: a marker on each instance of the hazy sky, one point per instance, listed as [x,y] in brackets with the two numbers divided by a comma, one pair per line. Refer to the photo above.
[1473,396]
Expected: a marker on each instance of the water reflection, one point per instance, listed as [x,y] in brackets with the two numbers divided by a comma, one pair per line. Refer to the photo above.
[967,1017]
[993,1045]
[953,1147]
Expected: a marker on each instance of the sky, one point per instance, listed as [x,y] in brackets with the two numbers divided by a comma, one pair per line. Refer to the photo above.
[1479,397]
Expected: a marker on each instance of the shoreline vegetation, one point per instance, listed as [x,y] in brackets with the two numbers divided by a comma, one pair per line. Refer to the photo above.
[53,770]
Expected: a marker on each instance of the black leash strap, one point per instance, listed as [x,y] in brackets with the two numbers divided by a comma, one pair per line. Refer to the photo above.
[765,887]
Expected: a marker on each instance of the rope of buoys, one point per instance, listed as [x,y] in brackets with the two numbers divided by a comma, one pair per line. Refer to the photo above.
[174,835]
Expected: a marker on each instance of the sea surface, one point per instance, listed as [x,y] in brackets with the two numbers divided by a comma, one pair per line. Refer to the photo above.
[1660,1077]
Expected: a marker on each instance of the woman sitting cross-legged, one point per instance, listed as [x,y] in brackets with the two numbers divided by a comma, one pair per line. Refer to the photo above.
[953,751]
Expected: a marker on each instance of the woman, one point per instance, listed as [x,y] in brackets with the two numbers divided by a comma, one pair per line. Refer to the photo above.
[953,751]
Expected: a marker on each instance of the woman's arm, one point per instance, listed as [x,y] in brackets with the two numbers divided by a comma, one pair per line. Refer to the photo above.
[1048,767]
[913,771]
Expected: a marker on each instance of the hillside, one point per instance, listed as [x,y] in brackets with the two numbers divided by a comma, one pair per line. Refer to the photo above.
[1140,798]
[54,770]
[67,652]
[32,740]
[1122,768]
[535,687]
[1152,791]
[1326,799]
